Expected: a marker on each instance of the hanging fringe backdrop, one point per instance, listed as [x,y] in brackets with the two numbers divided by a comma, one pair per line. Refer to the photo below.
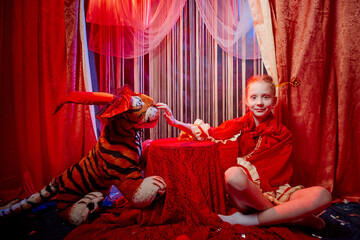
[189,70]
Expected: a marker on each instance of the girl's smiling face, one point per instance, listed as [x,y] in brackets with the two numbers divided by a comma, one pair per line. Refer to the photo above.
[260,99]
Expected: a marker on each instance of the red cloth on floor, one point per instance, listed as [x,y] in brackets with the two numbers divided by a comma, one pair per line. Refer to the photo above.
[195,195]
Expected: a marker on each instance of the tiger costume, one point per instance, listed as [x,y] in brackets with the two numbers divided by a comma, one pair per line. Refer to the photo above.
[114,160]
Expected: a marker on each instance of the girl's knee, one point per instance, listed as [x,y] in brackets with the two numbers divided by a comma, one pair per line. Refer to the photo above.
[236,178]
[321,197]
[324,196]
[316,197]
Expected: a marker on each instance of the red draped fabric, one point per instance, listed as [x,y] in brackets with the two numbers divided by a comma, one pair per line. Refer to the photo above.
[317,42]
[195,195]
[40,61]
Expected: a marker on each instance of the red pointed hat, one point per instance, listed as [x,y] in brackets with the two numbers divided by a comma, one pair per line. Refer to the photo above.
[120,104]
[116,103]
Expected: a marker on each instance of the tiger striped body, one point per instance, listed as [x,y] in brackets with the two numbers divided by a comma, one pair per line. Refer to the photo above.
[114,160]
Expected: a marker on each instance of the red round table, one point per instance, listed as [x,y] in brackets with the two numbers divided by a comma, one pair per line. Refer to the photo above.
[191,170]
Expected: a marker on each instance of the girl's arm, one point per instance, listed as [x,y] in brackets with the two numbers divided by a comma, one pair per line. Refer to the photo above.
[185,127]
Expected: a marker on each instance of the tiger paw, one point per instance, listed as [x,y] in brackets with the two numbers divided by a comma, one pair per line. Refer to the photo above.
[150,188]
[80,211]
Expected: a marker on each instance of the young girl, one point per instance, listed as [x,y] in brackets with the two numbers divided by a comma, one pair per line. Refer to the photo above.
[254,152]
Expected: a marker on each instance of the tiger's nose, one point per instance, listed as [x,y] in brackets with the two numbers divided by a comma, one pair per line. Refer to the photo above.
[156,112]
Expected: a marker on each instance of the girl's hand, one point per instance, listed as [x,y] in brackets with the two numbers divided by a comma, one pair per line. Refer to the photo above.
[185,127]
[168,114]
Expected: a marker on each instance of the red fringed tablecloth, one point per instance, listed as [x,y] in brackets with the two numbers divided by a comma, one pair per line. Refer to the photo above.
[195,195]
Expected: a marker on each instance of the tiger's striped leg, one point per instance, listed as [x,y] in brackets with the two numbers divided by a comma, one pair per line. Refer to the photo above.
[13,202]
[34,200]
[79,212]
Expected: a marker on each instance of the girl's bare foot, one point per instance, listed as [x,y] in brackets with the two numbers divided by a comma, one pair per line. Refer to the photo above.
[239,218]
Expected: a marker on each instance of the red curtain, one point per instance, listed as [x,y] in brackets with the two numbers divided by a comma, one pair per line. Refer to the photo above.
[40,64]
[317,42]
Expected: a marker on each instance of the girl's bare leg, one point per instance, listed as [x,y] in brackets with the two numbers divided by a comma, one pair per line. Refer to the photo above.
[300,208]
[246,195]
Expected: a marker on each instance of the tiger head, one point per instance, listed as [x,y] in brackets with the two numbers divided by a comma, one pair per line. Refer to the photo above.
[143,112]
[137,108]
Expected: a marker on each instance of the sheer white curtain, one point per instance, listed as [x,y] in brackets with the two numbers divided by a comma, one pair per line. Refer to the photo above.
[261,14]
[129,29]
[230,24]
[132,28]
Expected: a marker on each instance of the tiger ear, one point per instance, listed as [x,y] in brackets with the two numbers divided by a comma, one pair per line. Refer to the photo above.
[88,98]
[121,103]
